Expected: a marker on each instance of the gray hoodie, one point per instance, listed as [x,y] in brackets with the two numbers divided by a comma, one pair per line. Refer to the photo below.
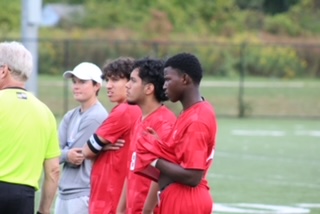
[74,131]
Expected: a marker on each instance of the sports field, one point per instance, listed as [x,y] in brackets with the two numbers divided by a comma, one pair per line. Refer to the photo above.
[269,166]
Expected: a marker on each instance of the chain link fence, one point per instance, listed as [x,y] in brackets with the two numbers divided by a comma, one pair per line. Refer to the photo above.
[241,80]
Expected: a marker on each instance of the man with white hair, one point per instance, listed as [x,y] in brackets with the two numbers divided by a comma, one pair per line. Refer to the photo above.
[28,137]
[75,129]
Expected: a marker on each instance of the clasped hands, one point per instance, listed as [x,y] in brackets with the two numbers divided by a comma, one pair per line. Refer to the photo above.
[76,157]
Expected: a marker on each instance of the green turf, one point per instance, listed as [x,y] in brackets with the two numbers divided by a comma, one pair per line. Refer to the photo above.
[278,169]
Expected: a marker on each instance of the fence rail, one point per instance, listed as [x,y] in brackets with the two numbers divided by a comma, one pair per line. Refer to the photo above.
[255,79]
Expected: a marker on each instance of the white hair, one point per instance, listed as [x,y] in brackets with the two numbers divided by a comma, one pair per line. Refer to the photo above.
[17,58]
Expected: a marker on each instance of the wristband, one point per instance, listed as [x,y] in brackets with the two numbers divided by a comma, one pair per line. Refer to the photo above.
[154,163]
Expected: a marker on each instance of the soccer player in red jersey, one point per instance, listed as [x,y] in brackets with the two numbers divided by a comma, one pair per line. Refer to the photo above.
[145,89]
[110,166]
[183,183]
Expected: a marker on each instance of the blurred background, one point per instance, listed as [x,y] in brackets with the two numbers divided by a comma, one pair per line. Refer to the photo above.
[262,74]
[265,53]
[261,56]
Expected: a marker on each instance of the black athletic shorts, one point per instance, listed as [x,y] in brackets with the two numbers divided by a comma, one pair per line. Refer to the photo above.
[16,198]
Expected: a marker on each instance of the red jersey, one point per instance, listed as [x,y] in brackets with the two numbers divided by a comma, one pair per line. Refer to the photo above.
[193,141]
[110,168]
[162,121]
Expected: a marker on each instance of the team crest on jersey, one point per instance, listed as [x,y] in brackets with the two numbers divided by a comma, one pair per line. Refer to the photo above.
[22,95]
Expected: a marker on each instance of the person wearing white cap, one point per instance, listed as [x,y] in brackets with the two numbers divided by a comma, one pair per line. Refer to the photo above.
[85,71]
[75,128]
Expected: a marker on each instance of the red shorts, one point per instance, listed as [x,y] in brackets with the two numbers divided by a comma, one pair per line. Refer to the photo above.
[178,198]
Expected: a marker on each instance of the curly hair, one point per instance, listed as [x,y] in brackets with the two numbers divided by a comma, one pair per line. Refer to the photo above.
[151,71]
[120,67]
[186,63]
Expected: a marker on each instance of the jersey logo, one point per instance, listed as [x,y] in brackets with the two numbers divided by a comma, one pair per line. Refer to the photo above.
[22,95]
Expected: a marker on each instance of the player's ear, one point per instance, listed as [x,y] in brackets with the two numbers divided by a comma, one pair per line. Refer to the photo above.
[186,79]
[4,71]
[149,88]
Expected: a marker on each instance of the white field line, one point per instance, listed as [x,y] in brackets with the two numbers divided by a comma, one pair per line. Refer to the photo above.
[309,205]
[247,208]
[274,133]
[254,208]
[313,133]
[265,181]
[271,133]
[266,158]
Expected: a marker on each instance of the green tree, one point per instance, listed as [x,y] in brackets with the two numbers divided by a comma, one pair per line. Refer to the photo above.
[63,1]
[279,6]
[250,4]
[10,17]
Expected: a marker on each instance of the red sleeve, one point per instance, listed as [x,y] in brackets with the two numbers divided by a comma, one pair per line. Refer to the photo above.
[194,146]
[116,125]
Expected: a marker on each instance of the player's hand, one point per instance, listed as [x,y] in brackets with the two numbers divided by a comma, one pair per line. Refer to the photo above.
[116,146]
[75,156]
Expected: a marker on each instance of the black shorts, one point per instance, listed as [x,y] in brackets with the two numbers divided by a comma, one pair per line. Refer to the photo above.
[16,198]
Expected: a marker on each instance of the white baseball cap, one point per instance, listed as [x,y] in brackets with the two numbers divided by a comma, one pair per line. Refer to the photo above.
[85,71]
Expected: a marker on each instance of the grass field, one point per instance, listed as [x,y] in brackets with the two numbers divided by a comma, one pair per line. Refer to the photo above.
[269,166]
[267,162]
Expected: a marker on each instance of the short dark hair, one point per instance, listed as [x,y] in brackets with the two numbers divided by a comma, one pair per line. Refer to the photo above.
[120,67]
[186,63]
[151,71]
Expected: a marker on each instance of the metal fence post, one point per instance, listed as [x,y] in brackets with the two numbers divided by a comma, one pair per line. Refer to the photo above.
[241,105]
[30,21]
[66,45]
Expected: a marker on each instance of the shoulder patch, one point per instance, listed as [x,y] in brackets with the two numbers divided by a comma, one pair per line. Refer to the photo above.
[22,95]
